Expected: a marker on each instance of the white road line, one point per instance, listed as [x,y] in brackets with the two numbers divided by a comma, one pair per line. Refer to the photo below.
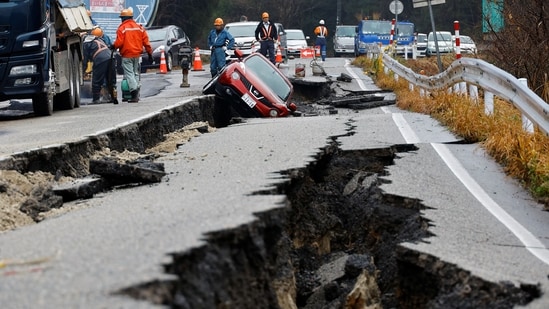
[534,245]
[531,243]
[405,129]
[353,74]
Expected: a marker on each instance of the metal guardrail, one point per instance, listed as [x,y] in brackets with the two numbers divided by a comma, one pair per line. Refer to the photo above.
[492,79]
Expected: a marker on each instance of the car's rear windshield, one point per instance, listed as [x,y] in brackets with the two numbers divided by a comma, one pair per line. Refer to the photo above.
[269,75]
[156,34]
[295,35]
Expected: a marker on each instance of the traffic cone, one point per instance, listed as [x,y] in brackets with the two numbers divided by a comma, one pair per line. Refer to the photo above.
[163,66]
[197,63]
[278,57]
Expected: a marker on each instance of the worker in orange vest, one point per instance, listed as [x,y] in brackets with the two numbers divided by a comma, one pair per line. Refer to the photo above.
[321,33]
[266,33]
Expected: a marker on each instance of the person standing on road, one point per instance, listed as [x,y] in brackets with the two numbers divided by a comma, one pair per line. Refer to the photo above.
[321,33]
[130,39]
[219,40]
[267,34]
[98,52]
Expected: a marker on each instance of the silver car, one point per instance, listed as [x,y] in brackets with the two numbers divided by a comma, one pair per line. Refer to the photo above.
[296,41]
[444,40]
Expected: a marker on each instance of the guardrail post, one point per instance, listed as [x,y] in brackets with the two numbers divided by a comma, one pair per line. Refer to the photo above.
[463,88]
[411,86]
[527,125]
[395,76]
[488,103]
[473,92]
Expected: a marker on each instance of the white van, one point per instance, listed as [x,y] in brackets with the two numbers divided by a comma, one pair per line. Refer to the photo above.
[444,40]
[344,40]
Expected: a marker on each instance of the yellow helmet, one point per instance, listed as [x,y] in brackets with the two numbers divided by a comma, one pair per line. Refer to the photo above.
[97,32]
[265,15]
[218,22]
[126,13]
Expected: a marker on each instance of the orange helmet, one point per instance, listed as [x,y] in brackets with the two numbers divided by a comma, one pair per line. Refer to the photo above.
[126,13]
[97,32]
[265,15]
[218,22]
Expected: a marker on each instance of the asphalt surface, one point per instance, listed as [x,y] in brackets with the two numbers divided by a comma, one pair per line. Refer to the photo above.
[122,238]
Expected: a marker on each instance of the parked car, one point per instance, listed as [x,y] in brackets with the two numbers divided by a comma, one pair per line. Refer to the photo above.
[444,40]
[421,44]
[253,87]
[466,44]
[244,37]
[296,42]
[344,40]
[163,38]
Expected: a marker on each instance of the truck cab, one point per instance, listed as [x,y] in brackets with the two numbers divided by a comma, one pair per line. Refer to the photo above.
[41,52]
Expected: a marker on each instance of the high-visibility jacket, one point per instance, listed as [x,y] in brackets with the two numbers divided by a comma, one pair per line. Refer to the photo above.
[131,38]
[263,33]
[321,31]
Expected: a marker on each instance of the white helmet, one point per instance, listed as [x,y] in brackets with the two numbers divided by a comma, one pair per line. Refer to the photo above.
[321,22]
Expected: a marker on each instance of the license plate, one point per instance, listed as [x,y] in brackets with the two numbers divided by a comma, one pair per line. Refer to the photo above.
[248,99]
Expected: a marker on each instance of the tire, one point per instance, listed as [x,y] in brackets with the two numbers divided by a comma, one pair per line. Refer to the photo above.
[169,62]
[77,68]
[66,99]
[42,104]
[209,88]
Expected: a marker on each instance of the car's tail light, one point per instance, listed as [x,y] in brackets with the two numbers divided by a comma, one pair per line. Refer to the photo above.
[235,75]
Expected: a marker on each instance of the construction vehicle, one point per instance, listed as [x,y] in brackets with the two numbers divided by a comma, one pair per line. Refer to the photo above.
[41,52]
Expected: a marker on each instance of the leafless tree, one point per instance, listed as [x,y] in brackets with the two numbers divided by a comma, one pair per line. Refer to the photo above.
[522,46]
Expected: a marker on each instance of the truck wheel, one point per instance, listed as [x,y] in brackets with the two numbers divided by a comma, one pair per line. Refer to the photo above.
[77,68]
[65,100]
[42,104]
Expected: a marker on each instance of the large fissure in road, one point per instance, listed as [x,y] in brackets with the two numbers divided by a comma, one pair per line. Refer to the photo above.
[334,244]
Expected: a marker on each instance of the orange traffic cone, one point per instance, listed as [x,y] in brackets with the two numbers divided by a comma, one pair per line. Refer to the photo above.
[197,63]
[163,67]
[278,57]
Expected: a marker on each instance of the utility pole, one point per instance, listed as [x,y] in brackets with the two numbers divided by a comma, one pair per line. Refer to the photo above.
[338,12]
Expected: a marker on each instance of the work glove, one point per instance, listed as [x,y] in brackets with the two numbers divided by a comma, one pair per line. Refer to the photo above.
[224,47]
[151,60]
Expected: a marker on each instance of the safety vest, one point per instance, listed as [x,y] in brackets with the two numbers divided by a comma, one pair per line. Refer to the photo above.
[101,46]
[321,31]
[267,32]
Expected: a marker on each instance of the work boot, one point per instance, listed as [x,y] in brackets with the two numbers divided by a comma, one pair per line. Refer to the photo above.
[96,99]
[135,96]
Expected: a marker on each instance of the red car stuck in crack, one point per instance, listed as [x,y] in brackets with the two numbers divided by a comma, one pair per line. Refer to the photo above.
[253,87]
